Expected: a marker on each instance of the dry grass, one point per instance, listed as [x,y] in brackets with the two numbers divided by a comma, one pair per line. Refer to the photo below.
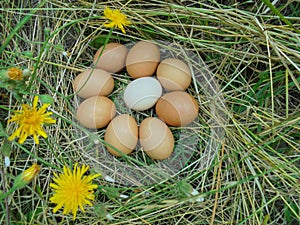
[246,161]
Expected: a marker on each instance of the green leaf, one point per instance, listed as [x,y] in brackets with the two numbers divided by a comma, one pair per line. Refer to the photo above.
[184,189]
[110,192]
[28,54]
[33,214]
[46,99]
[100,210]
[98,41]
[290,213]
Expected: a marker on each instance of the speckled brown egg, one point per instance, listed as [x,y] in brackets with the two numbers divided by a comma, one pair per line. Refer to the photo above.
[96,112]
[174,74]
[93,82]
[142,59]
[122,134]
[156,138]
[112,58]
[177,108]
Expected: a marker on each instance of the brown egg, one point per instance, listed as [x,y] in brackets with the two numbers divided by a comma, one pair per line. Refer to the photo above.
[177,108]
[95,112]
[112,58]
[93,82]
[142,59]
[174,74]
[156,138]
[122,133]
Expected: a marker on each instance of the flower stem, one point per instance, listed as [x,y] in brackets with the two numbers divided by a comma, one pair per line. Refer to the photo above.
[6,194]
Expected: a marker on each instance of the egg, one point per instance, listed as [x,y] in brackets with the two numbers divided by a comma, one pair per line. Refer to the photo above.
[156,138]
[142,59]
[142,93]
[122,134]
[96,112]
[177,108]
[93,82]
[174,74]
[112,58]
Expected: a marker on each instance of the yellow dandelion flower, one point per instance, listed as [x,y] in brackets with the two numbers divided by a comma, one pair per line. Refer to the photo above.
[73,190]
[30,121]
[15,74]
[117,19]
[26,176]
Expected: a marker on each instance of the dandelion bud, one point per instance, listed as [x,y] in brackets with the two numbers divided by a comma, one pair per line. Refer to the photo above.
[26,176]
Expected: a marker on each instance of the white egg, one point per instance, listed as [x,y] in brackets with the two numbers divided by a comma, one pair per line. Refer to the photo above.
[142,93]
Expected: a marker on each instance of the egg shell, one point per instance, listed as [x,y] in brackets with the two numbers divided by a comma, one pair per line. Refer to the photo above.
[177,108]
[142,59]
[96,112]
[112,59]
[93,82]
[122,133]
[142,93]
[156,138]
[174,74]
